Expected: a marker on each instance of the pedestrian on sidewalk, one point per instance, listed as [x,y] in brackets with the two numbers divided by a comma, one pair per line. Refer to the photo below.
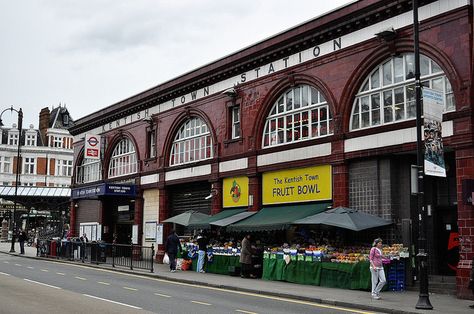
[246,257]
[172,246]
[376,268]
[202,244]
[22,238]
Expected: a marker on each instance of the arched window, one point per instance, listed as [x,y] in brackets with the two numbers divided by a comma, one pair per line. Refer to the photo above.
[388,93]
[123,160]
[191,143]
[88,171]
[301,113]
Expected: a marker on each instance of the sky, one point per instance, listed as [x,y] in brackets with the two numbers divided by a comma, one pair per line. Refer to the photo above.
[88,55]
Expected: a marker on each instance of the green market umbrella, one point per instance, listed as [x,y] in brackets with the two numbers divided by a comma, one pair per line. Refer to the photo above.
[187,218]
[346,218]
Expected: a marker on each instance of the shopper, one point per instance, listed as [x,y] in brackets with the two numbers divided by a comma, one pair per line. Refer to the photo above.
[246,257]
[22,238]
[202,244]
[172,246]
[376,268]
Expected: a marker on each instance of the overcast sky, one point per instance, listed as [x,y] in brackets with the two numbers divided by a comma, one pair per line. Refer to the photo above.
[91,54]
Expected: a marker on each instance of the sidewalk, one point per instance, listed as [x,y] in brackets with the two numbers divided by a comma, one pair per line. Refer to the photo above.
[391,302]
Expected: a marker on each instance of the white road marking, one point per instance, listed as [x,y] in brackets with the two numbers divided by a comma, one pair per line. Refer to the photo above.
[163,295]
[6,262]
[247,312]
[128,288]
[61,274]
[103,283]
[45,270]
[203,303]
[80,278]
[18,265]
[262,296]
[4,274]
[115,302]
[40,283]
[31,267]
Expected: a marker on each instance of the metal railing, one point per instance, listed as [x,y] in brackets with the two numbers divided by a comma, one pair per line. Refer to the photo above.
[117,255]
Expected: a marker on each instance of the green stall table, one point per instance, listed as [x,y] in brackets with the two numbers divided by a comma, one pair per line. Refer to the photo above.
[326,274]
[221,264]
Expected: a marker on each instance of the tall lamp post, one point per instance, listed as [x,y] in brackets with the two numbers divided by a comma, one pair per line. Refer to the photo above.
[423,297]
[17,175]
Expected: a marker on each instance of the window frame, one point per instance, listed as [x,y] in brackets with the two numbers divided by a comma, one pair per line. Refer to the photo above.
[123,160]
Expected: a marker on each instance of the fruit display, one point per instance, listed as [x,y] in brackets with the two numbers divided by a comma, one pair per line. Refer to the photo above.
[328,253]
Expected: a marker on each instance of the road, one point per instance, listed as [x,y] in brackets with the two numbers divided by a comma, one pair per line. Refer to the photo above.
[38,286]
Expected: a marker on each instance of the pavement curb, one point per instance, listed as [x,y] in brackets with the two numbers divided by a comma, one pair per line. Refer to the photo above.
[227,287]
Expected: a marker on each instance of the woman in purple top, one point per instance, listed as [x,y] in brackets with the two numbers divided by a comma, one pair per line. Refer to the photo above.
[376,268]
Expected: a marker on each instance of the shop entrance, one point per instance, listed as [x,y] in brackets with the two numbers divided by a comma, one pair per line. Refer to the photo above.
[446,239]
[123,232]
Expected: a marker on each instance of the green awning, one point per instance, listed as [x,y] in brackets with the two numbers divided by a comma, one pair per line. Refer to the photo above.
[277,218]
[205,222]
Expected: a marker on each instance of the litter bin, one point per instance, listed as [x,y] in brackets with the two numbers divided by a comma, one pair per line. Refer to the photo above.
[98,253]
[52,248]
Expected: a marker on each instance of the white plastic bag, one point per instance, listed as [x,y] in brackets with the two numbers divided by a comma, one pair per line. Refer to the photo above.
[166,259]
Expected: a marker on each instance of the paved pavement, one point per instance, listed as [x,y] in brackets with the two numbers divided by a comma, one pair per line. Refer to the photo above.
[391,302]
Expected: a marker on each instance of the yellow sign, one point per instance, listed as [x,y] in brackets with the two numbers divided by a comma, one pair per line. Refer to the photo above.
[297,185]
[235,192]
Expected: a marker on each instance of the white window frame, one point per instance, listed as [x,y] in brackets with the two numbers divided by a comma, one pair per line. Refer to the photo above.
[123,160]
[63,168]
[293,121]
[192,143]
[29,165]
[377,102]
[5,164]
[236,130]
[30,139]
[58,141]
[13,138]
[89,171]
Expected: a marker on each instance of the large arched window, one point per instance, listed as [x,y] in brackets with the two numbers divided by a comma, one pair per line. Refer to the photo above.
[191,143]
[123,160]
[88,171]
[388,93]
[301,113]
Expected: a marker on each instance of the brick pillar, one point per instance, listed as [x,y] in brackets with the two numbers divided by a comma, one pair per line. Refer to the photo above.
[163,214]
[138,217]
[256,191]
[340,177]
[464,170]
[72,218]
[216,200]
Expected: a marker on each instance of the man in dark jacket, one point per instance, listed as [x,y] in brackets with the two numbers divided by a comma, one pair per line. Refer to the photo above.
[22,238]
[172,246]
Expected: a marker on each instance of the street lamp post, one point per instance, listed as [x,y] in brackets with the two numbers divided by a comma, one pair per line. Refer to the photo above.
[423,297]
[17,175]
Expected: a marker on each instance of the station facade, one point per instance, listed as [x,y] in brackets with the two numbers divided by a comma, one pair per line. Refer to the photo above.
[322,112]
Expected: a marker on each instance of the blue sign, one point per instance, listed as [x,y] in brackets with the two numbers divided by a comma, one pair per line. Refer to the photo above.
[105,189]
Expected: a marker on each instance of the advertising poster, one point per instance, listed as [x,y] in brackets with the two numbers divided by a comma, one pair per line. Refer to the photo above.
[297,185]
[235,192]
[433,105]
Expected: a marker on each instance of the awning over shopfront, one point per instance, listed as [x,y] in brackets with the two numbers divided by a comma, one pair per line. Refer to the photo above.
[346,218]
[277,218]
[205,223]
[187,218]
[232,219]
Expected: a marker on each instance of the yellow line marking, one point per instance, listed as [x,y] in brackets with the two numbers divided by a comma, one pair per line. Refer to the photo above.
[203,303]
[227,290]
[45,270]
[103,283]
[61,274]
[242,311]
[163,295]
[80,278]
[128,288]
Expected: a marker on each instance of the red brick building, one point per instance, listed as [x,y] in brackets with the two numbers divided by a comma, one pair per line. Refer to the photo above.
[332,95]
